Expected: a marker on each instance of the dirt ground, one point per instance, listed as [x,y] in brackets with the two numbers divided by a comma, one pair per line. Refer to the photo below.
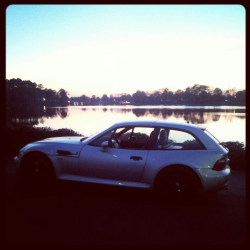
[79,213]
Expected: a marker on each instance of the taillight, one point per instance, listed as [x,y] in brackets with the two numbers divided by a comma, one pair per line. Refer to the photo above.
[220,164]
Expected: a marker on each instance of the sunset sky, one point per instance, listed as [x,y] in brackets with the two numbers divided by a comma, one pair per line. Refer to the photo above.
[109,49]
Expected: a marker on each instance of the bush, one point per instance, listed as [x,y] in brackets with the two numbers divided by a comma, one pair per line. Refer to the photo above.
[237,155]
[18,136]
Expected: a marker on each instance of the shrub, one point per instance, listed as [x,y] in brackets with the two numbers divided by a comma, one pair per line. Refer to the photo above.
[18,136]
[237,155]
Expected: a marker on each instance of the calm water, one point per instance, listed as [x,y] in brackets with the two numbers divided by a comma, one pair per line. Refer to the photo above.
[225,123]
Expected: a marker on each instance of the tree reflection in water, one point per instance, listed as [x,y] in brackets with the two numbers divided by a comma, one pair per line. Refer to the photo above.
[62,112]
[86,120]
[192,115]
[33,116]
[166,113]
[139,112]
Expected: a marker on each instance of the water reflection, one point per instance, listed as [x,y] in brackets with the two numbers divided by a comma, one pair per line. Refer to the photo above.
[88,120]
[121,110]
[139,112]
[31,116]
[34,116]
[191,116]
[63,112]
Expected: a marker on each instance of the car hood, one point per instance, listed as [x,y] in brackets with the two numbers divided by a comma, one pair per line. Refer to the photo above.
[53,145]
[64,139]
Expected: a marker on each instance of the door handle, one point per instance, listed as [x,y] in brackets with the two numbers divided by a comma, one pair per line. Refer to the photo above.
[136,158]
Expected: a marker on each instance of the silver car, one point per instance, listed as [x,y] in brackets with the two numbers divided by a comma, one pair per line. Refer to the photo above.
[171,158]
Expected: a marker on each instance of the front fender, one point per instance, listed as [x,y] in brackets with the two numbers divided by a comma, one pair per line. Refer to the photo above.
[54,149]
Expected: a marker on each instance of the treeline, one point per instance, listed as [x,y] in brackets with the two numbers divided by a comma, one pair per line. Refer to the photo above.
[196,95]
[27,92]
[30,93]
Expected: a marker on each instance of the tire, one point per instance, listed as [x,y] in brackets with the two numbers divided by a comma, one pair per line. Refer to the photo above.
[38,170]
[177,182]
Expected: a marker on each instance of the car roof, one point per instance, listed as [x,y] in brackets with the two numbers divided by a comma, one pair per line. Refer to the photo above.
[158,123]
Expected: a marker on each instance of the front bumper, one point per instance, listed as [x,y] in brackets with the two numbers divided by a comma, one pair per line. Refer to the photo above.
[212,180]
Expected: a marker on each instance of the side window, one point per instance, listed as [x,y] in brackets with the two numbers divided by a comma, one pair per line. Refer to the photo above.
[123,134]
[127,138]
[177,140]
[141,134]
[136,138]
[114,137]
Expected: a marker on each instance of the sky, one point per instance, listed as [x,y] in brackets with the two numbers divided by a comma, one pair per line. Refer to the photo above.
[109,49]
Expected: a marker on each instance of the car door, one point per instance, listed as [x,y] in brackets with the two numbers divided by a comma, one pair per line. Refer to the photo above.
[124,162]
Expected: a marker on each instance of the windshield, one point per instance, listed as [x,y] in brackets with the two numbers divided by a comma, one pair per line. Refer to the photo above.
[86,139]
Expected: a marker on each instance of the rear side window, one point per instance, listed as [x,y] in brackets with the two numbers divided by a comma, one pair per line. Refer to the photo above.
[171,139]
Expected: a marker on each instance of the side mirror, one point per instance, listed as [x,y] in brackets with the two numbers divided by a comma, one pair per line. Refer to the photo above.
[105,146]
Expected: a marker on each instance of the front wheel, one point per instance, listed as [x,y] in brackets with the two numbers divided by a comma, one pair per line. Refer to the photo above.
[37,169]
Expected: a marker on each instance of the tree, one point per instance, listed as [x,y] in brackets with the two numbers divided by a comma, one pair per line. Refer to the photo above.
[40,86]
[84,99]
[241,97]
[157,98]
[217,96]
[189,99]
[21,92]
[29,93]
[63,97]
[50,95]
[205,97]
[179,97]
[217,91]
[164,96]
[196,94]
[93,100]
[105,99]
[139,97]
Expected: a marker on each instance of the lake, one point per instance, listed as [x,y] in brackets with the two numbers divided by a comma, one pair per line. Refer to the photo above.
[225,123]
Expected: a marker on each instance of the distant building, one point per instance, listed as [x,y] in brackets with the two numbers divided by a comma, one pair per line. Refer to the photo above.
[124,103]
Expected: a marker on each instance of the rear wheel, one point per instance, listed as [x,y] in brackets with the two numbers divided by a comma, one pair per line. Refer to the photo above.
[177,182]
